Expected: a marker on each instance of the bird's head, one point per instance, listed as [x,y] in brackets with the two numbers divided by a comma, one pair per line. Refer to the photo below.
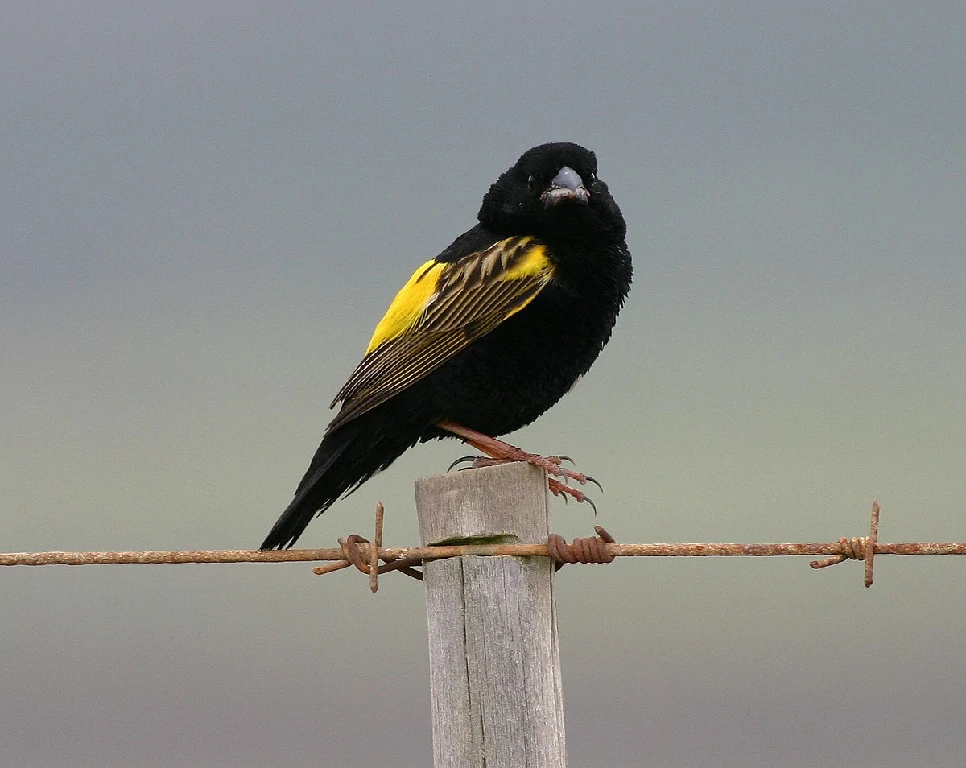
[552,189]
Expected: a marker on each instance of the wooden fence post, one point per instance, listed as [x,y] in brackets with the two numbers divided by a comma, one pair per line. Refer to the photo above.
[494,661]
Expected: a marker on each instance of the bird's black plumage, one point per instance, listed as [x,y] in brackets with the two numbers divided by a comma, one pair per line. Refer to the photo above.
[489,334]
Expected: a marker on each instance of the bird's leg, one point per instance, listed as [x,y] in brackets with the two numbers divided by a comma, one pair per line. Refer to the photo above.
[500,452]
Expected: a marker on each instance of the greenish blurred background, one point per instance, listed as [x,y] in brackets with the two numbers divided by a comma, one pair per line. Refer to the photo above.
[204,210]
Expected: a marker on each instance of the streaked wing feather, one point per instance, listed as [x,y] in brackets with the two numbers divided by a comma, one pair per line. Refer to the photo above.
[473,296]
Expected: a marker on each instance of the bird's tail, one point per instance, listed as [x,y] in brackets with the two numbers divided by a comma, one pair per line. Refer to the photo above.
[347,457]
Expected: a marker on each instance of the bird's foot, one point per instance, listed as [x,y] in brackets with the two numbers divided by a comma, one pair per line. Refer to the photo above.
[500,452]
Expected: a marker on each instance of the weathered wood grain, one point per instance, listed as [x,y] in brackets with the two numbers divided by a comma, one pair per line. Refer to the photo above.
[493,649]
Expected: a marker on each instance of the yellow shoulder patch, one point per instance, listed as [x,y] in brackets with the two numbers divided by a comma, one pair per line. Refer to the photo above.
[533,262]
[408,305]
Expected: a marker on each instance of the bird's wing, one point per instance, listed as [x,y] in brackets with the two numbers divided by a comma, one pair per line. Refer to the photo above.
[443,308]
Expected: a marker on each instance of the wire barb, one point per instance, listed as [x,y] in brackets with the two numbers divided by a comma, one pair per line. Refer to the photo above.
[590,550]
[873,539]
[857,548]
[374,552]
[352,555]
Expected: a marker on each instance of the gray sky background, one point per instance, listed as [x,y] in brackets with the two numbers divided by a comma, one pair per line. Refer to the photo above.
[205,208]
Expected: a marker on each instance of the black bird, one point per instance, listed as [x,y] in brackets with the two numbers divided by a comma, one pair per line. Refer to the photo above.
[485,337]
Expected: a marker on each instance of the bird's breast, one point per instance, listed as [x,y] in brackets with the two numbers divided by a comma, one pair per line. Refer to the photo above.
[509,377]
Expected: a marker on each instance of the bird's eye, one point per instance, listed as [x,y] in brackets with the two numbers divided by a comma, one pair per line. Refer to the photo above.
[532,184]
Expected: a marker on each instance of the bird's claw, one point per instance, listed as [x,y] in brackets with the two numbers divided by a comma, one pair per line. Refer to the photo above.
[567,492]
[460,460]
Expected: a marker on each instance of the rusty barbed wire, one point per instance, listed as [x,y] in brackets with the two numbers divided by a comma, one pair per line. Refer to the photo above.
[836,550]
[400,558]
